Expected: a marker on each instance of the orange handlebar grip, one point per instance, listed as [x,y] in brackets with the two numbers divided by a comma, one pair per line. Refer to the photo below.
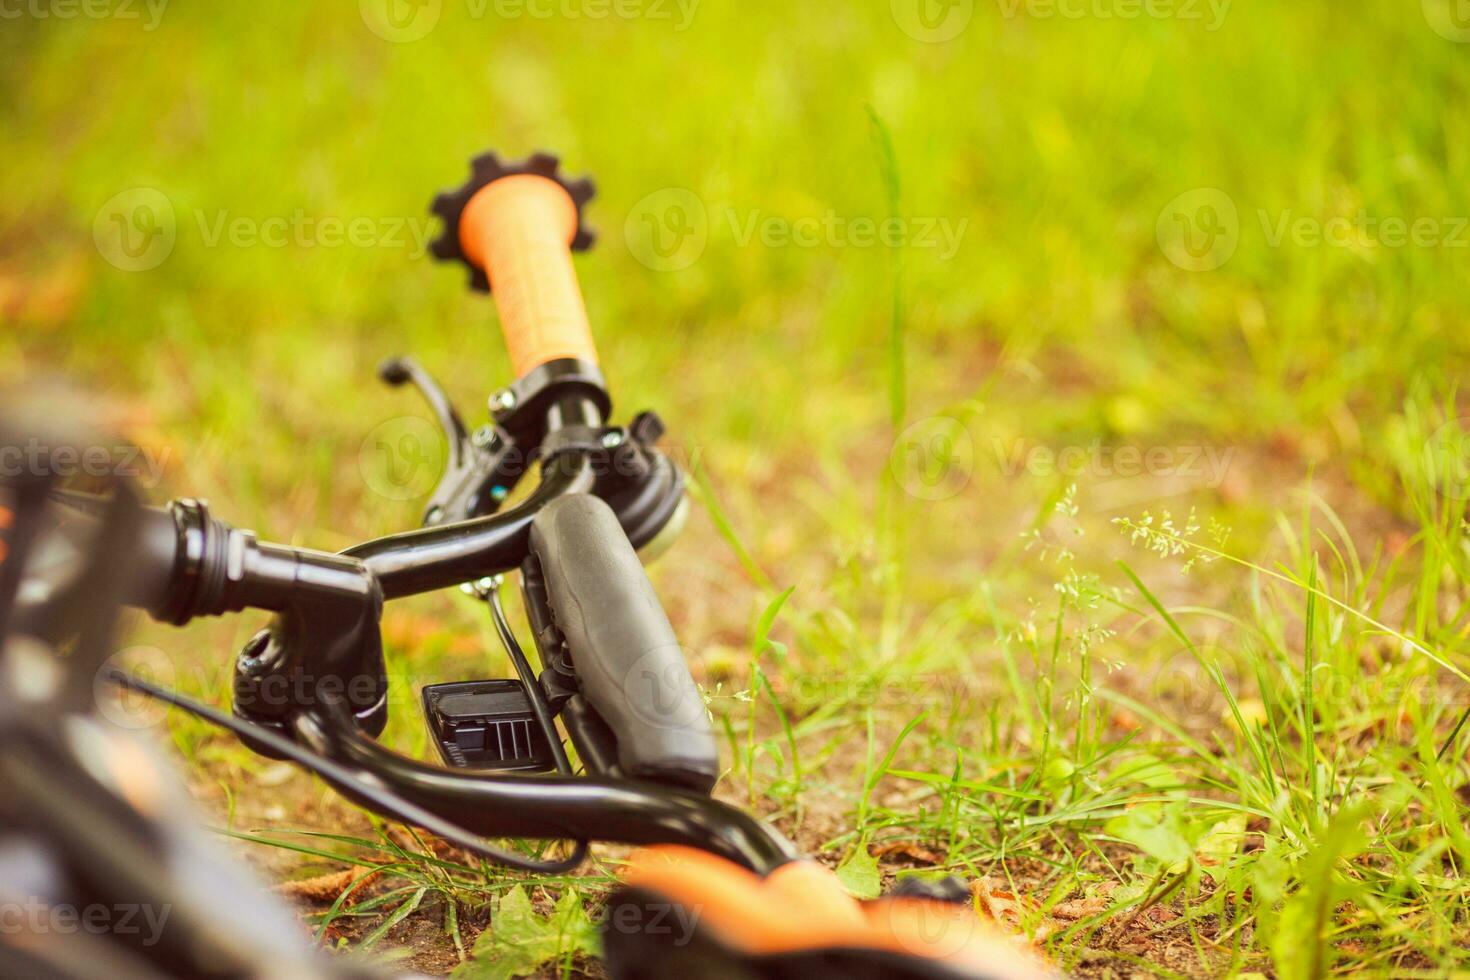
[519,229]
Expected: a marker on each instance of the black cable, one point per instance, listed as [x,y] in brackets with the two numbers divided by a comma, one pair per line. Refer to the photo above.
[539,707]
[383,801]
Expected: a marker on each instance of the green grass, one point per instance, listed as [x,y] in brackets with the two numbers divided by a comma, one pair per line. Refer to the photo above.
[1236,748]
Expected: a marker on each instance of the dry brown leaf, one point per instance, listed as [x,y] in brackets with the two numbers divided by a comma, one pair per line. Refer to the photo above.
[1124,721]
[326,888]
[908,849]
[1002,905]
[1080,908]
[417,843]
[1161,914]
[1015,913]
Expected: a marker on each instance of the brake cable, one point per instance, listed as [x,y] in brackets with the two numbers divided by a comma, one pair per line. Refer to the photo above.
[383,801]
[489,590]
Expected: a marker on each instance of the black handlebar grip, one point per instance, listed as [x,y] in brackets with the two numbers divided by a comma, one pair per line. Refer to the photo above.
[627,661]
[153,559]
[156,560]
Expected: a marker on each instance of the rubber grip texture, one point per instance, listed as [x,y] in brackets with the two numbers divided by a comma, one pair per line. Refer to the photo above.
[628,663]
[519,229]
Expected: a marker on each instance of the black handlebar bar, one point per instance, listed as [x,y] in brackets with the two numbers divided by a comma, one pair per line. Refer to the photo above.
[547,807]
[433,558]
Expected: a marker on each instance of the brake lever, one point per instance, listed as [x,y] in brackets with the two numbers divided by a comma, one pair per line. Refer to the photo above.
[482,468]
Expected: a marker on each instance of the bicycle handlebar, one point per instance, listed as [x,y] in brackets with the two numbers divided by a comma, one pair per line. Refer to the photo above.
[619,810]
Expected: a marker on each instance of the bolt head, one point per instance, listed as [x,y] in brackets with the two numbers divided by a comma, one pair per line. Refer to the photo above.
[503,400]
[611,440]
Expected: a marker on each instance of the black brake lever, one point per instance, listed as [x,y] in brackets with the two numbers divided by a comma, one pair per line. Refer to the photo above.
[397,371]
[482,468]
